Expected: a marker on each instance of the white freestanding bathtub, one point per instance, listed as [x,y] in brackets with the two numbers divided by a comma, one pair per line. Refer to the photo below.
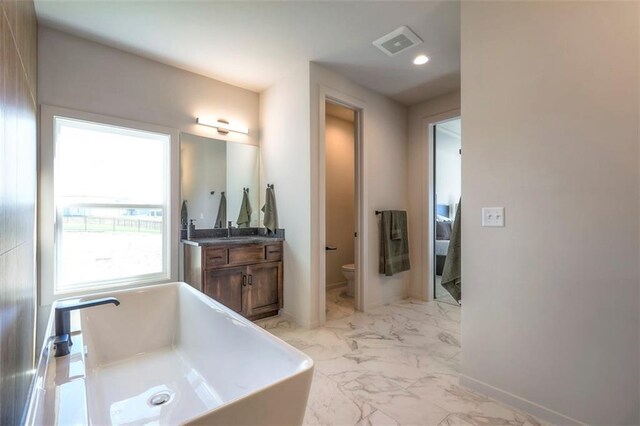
[169,355]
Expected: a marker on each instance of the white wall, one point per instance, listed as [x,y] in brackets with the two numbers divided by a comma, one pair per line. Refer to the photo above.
[384,173]
[340,196]
[419,154]
[551,132]
[285,152]
[91,77]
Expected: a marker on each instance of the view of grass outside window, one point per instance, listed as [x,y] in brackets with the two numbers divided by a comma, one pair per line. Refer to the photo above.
[111,191]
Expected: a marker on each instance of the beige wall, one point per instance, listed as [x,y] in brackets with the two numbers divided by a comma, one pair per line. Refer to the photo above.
[83,75]
[284,149]
[419,156]
[340,198]
[289,116]
[18,111]
[550,107]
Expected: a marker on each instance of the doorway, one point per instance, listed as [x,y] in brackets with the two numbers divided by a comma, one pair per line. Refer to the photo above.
[340,210]
[354,107]
[447,189]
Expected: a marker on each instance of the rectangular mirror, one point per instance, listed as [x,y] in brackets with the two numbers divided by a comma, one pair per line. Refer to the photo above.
[213,168]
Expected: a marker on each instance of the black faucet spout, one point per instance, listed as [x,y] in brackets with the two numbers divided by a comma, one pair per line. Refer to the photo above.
[62,340]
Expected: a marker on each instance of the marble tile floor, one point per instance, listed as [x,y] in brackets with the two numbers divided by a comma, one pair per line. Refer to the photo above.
[395,365]
[338,304]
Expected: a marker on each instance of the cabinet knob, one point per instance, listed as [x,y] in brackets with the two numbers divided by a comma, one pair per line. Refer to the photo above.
[250,279]
[244,280]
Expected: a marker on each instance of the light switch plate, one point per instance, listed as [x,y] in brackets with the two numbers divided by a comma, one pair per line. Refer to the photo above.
[493,216]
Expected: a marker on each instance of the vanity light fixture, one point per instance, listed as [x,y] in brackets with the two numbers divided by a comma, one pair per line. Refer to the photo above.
[223,126]
[421,60]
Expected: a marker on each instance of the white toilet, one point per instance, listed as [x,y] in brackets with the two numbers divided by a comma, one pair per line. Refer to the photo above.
[349,272]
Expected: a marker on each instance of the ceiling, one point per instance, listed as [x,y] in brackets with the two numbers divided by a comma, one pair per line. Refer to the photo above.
[252,44]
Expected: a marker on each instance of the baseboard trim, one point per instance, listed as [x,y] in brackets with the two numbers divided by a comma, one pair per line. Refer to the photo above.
[287,316]
[515,401]
[338,284]
[417,297]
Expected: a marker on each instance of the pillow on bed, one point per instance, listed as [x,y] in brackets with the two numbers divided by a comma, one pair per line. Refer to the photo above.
[441,218]
[443,230]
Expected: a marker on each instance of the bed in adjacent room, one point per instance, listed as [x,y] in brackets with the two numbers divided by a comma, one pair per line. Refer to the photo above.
[443,234]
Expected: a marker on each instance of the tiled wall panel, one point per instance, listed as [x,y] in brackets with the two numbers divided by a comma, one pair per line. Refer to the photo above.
[18,100]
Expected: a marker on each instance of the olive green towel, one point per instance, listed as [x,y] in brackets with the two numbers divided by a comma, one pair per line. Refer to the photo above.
[394,242]
[244,218]
[221,218]
[184,215]
[452,271]
[270,211]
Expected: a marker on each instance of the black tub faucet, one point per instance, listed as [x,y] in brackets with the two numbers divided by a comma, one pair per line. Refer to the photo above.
[62,340]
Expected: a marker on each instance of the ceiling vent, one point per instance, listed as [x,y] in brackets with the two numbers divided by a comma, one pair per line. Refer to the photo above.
[397,41]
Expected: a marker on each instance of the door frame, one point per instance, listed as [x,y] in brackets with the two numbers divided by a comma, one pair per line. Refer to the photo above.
[361,240]
[429,199]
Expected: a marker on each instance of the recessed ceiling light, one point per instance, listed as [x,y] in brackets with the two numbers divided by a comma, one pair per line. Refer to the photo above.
[421,59]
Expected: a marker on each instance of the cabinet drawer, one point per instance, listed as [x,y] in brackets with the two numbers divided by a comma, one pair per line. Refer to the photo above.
[246,254]
[214,257]
[273,252]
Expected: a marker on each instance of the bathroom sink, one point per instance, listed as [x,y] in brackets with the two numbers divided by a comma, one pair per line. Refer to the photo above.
[169,355]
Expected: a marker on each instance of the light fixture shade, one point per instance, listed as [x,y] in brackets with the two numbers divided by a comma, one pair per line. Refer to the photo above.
[222,125]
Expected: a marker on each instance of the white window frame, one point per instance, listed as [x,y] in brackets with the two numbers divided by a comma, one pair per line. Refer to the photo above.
[47,215]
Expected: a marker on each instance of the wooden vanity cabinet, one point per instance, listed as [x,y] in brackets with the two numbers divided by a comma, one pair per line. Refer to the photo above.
[225,286]
[246,278]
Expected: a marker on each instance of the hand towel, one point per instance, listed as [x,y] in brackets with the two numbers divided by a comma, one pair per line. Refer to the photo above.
[394,253]
[221,217]
[184,215]
[270,211]
[244,218]
[398,222]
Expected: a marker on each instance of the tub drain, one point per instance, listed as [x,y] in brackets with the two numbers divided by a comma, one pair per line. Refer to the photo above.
[159,398]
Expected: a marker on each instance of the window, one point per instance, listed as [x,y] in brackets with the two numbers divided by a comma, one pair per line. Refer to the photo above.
[111,205]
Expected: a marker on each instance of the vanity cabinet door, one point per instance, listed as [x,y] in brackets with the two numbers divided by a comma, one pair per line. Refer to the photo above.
[225,286]
[264,289]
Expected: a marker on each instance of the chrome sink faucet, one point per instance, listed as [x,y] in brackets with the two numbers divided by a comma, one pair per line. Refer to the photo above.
[62,340]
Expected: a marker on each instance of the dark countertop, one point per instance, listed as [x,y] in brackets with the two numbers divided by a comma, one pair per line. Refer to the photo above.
[249,239]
